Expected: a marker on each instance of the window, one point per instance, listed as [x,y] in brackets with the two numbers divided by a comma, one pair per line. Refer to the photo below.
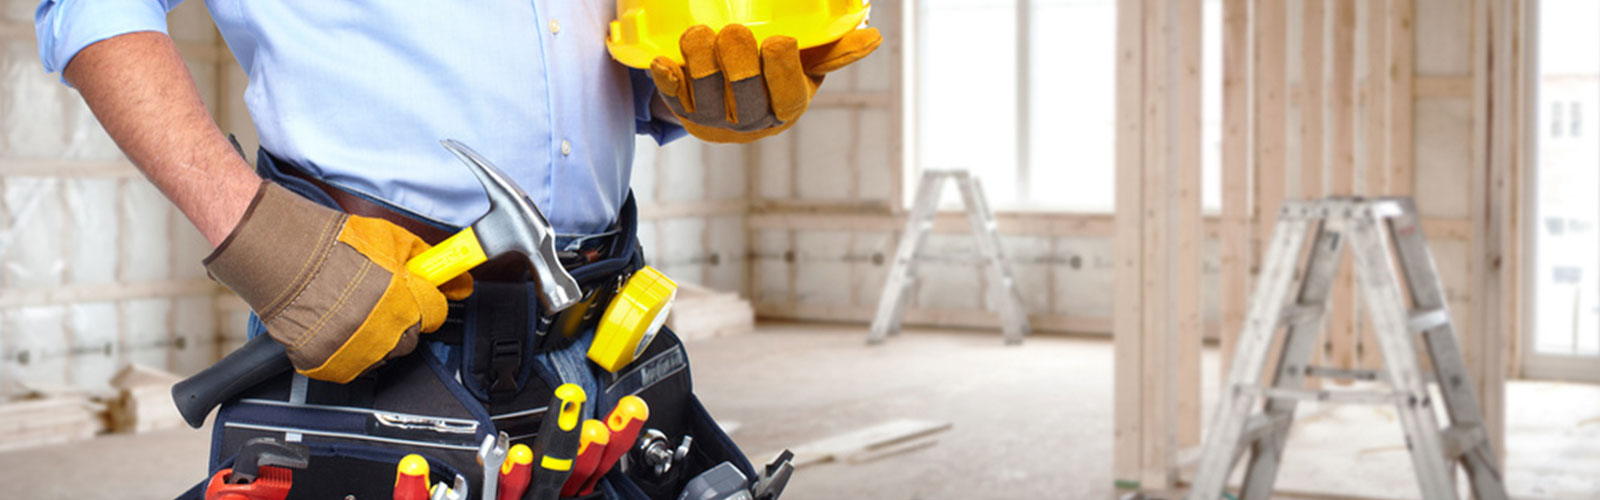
[1042,135]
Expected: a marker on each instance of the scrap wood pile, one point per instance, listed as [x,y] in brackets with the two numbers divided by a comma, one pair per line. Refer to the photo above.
[38,415]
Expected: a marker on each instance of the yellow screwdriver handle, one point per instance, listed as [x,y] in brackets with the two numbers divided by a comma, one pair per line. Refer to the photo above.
[449,258]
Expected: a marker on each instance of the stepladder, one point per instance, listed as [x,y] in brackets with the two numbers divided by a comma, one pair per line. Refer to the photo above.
[1395,273]
[1003,295]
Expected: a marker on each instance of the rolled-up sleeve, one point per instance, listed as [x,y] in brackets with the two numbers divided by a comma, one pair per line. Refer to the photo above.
[644,91]
[65,27]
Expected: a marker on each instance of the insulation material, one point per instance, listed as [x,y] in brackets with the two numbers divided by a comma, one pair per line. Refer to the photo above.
[871,255]
[682,172]
[146,331]
[30,113]
[34,341]
[1029,258]
[1443,27]
[775,161]
[725,171]
[949,285]
[1443,154]
[824,276]
[725,269]
[1084,276]
[643,182]
[771,267]
[92,230]
[823,140]
[147,234]
[682,254]
[194,321]
[31,241]
[93,328]
[874,163]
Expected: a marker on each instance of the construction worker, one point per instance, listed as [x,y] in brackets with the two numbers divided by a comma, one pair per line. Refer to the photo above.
[350,100]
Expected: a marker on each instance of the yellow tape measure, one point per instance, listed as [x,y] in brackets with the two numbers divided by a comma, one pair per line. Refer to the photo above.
[632,319]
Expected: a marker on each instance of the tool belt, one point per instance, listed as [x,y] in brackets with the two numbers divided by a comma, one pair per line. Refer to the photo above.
[483,373]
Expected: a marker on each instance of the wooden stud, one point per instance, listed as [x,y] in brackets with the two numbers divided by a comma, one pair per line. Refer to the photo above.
[1340,333]
[1234,279]
[1313,20]
[1127,321]
[1374,109]
[1400,96]
[1186,126]
[1271,107]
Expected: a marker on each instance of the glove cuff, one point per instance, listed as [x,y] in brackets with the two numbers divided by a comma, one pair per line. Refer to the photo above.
[276,248]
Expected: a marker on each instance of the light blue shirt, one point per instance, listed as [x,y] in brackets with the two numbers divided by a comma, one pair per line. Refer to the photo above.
[361,93]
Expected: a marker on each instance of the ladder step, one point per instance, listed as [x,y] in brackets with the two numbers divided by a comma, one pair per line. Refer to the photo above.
[1343,374]
[1326,396]
[1459,439]
[1428,319]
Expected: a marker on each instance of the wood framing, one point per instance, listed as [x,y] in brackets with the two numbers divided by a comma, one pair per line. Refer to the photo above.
[1401,84]
[1235,259]
[1339,335]
[1374,128]
[1127,464]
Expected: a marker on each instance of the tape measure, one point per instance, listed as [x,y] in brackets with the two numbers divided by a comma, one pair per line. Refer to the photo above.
[632,319]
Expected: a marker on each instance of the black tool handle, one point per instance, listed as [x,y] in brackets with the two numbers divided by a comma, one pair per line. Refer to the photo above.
[258,360]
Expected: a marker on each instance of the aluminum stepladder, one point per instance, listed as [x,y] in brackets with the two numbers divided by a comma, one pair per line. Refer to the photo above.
[892,304]
[1369,226]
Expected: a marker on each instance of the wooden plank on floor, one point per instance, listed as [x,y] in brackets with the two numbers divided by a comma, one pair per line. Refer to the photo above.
[1127,321]
[1234,279]
[864,440]
[1339,338]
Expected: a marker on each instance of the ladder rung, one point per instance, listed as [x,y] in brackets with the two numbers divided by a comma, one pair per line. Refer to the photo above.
[1343,374]
[1459,439]
[1300,312]
[1422,321]
[1327,396]
[1387,208]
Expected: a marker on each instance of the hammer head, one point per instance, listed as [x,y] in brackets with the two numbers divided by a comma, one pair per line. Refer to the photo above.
[515,225]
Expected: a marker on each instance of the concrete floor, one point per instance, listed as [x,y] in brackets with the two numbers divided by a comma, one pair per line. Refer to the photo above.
[1029,422]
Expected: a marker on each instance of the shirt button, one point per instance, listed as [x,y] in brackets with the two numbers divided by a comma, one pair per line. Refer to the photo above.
[555,26]
[566,148]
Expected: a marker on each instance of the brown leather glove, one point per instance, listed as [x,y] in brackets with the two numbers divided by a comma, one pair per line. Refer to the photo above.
[331,287]
[729,91]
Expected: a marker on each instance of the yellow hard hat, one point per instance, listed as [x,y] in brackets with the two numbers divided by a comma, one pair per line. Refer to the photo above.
[645,29]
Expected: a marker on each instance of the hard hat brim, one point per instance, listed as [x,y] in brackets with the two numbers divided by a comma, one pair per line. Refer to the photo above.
[804,29]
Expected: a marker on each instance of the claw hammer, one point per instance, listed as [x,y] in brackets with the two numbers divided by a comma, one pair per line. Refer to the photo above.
[513,225]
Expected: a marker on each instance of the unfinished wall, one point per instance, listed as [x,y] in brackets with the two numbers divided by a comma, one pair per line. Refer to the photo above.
[97,269]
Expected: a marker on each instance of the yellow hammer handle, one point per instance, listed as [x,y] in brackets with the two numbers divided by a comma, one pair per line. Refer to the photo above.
[449,258]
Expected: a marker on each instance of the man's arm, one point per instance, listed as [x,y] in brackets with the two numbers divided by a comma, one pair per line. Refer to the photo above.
[142,93]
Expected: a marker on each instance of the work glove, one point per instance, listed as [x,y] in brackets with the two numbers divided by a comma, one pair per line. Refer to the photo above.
[727,90]
[331,287]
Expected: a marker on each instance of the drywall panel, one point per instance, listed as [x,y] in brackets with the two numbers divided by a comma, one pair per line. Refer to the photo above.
[776,155]
[726,169]
[874,163]
[1444,38]
[645,152]
[823,276]
[92,230]
[823,139]
[35,340]
[146,243]
[949,285]
[682,169]
[1029,258]
[94,330]
[682,253]
[31,245]
[146,327]
[31,103]
[725,265]
[1443,156]
[871,255]
[1084,277]
[772,266]
[194,322]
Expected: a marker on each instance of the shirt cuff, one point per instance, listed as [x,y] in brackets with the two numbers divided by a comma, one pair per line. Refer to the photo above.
[65,27]
[644,92]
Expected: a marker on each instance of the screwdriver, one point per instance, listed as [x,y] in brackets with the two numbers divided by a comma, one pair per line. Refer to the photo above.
[593,443]
[557,443]
[515,473]
[625,421]
[411,478]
